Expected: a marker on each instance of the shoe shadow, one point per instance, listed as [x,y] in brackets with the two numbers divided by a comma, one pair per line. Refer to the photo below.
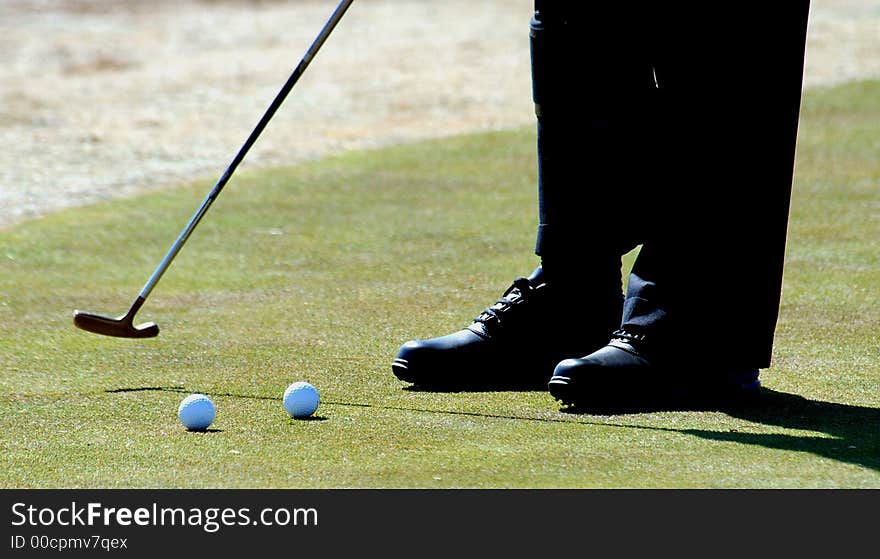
[852,433]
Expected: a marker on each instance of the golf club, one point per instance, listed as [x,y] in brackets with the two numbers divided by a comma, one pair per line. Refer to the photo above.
[123,326]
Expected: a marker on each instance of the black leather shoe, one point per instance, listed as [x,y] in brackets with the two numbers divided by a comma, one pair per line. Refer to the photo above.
[626,371]
[514,343]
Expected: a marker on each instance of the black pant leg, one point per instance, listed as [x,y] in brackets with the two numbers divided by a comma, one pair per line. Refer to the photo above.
[593,88]
[730,84]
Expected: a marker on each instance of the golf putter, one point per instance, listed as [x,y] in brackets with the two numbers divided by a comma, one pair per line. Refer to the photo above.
[123,326]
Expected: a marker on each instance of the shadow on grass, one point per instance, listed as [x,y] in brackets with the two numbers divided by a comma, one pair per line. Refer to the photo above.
[204,431]
[852,432]
[182,390]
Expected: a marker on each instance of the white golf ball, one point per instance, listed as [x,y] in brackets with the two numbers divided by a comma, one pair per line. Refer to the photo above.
[196,412]
[301,399]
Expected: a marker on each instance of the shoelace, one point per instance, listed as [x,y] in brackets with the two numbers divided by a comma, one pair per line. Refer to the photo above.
[520,289]
[628,336]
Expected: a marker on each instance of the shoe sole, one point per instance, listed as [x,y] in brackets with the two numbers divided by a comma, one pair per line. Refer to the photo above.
[561,390]
[430,379]
[564,392]
[400,368]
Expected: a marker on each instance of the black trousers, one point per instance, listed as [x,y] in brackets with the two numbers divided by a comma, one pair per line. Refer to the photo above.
[671,125]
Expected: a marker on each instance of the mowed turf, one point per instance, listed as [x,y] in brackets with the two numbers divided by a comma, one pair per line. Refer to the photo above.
[321,271]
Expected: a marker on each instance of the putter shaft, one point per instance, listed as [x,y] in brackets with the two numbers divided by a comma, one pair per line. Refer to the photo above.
[123,326]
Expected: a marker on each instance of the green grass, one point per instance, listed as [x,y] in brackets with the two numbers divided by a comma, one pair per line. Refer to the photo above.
[319,272]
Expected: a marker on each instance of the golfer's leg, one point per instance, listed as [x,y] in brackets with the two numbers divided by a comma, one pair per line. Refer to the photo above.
[713,268]
[703,297]
[593,89]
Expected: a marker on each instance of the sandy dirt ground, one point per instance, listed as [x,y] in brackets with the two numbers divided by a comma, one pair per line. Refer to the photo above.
[107,98]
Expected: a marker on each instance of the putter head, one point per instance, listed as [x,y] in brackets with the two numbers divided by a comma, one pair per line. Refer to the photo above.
[120,327]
